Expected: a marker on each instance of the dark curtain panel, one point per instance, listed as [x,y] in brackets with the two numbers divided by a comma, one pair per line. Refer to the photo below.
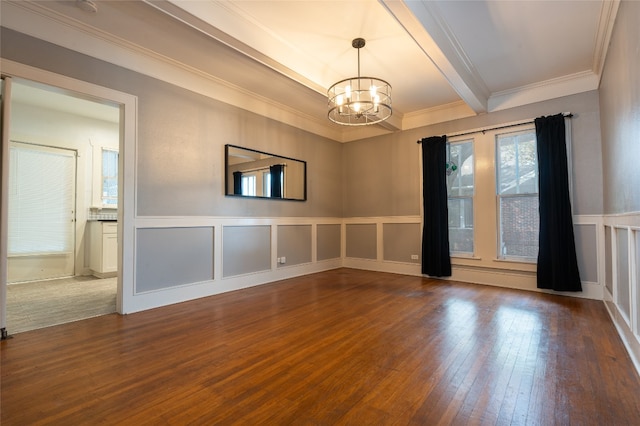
[557,262]
[436,261]
[276,180]
[237,183]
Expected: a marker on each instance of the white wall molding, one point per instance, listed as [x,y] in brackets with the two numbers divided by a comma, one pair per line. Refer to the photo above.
[629,339]
[628,326]
[554,88]
[439,114]
[623,219]
[185,292]
[38,21]
[220,284]
[506,274]
[607,19]
[383,266]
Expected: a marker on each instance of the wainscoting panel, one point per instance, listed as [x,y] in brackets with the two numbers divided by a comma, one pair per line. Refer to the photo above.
[392,240]
[401,241]
[170,257]
[182,258]
[244,253]
[245,249]
[623,290]
[362,241]
[397,238]
[586,238]
[635,293]
[294,244]
[622,293]
[608,259]
[329,237]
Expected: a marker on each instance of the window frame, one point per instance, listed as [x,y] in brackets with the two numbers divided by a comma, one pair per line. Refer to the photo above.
[485,207]
[459,141]
[103,176]
[499,197]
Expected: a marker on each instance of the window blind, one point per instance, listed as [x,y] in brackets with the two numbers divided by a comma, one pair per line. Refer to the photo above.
[41,200]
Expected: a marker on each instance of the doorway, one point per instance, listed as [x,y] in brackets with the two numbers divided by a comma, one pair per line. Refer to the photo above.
[55,194]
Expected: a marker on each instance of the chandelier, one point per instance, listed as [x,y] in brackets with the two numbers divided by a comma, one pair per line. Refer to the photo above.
[359,101]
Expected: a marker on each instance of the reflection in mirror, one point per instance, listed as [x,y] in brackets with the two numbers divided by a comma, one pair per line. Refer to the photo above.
[251,173]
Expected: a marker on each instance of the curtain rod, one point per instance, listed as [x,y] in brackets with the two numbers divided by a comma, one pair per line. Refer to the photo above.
[565,114]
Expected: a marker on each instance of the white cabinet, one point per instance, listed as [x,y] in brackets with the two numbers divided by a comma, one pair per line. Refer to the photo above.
[104,249]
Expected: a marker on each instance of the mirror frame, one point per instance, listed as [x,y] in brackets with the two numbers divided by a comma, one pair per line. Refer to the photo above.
[227,182]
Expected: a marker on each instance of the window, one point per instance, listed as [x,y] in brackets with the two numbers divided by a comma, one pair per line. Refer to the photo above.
[517,194]
[266,187]
[249,184]
[492,190]
[109,177]
[460,192]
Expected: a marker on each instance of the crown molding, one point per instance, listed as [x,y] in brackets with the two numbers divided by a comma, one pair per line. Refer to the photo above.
[439,43]
[36,20]
[226,11]
[608,13]
[438,114]
[550,89]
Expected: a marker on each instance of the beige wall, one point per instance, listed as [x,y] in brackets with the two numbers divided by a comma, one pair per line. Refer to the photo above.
[181,138]
[620,106]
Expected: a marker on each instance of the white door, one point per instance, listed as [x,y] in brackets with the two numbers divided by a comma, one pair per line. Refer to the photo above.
[42,196]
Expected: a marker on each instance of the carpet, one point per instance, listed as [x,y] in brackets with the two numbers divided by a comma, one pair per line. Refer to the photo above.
[42,304]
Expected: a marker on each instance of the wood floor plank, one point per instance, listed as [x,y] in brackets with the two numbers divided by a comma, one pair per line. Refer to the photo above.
[343,347]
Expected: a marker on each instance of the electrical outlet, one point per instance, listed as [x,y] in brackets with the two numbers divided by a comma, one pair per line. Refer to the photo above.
[283,260]
[414,257]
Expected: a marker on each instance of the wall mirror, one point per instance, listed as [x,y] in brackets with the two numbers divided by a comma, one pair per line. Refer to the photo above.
[251,173]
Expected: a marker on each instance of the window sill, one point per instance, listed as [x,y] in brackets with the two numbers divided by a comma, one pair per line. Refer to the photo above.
[464,257]
[495,264]
[517,261]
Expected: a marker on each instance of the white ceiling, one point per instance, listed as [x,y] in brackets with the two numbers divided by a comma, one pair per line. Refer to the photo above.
[47,97]
[434,53]
[444,59]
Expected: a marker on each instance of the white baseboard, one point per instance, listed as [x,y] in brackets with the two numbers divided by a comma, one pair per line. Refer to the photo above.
[503,278]
[183,293]
[628,339]
[382,266]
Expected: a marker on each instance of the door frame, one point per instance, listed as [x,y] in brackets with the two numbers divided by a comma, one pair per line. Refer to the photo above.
[128,105]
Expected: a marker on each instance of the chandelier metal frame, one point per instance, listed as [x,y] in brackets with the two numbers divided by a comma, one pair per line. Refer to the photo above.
[359,101]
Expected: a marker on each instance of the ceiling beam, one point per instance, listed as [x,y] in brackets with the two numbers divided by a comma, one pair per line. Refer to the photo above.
[423,22]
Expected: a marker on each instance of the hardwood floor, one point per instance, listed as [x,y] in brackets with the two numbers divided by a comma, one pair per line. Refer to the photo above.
[338,347]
